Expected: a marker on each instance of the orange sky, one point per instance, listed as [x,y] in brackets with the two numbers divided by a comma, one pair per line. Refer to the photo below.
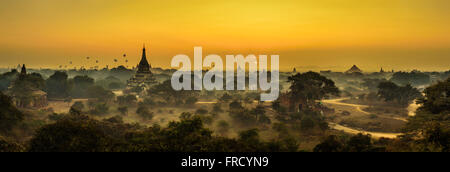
[307,34]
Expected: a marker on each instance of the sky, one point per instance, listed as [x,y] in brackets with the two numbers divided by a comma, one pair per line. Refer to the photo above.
[307,34]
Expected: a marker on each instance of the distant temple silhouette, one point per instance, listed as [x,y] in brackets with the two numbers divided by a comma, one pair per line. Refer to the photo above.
[24,70]
[354,69]
[143,77]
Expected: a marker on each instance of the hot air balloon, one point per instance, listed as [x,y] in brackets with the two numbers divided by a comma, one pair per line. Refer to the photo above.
[88,58]
[96,61]
[124,55]
[115,60]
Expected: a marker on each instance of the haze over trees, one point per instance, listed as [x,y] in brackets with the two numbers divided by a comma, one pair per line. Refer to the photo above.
[7,78]
[414,78]
[221,121]
[403,95]
[58,85]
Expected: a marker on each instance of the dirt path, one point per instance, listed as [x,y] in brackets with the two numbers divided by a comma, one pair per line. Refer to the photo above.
[356,131]
[348,129]
[412,108]
[359,109]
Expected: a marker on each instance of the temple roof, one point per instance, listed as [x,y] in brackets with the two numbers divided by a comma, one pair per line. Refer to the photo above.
[143,66]
[354,69]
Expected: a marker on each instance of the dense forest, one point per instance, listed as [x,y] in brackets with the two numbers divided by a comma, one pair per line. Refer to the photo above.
[88,111]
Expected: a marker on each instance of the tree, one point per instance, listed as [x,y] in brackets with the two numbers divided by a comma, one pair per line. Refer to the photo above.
[115,119]
[388,91]
[123,110]
[251,135]
[191,101]
[415,78]
[78,106]
[91,104]
[357,143]
[9,114]
[144,113]
[437,98]
[166,91]
[57,85]
[127,100]
[223,127]
[115,85]
[330,144]
[68,135]
[432,119]
[235,105]
[403,95]
[100,109]
[80,133]
[80,86]
[7,78]
[258,111]
[100,93]
[360,143]
[187,135]
[264,119]
[217,108]
[201,111]
[371,84]
[10,146]
[83,81]
[307,123]
[309,87]
[225,98]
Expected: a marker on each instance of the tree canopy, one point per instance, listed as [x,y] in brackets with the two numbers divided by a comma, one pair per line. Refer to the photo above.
[431,124]
[311,86]
[403,95]
[9,114]
[58,85]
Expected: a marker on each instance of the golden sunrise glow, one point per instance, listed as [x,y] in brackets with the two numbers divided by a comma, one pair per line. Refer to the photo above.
[320,34]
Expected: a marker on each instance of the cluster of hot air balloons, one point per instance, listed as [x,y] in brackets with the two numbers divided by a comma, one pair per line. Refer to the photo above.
[88,61]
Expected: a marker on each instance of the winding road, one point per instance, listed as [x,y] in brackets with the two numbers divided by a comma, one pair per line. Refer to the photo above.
[359,109]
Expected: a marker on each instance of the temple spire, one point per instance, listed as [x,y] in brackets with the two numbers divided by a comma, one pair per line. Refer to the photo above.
[144,66]
[24,70]
[144,56]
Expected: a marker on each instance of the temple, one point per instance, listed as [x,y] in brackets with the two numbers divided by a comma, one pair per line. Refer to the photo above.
[354,69]
[24,95]
[143,78]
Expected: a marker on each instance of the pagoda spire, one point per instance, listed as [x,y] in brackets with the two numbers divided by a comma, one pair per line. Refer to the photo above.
[24,70]
[144,66]
[144,54]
